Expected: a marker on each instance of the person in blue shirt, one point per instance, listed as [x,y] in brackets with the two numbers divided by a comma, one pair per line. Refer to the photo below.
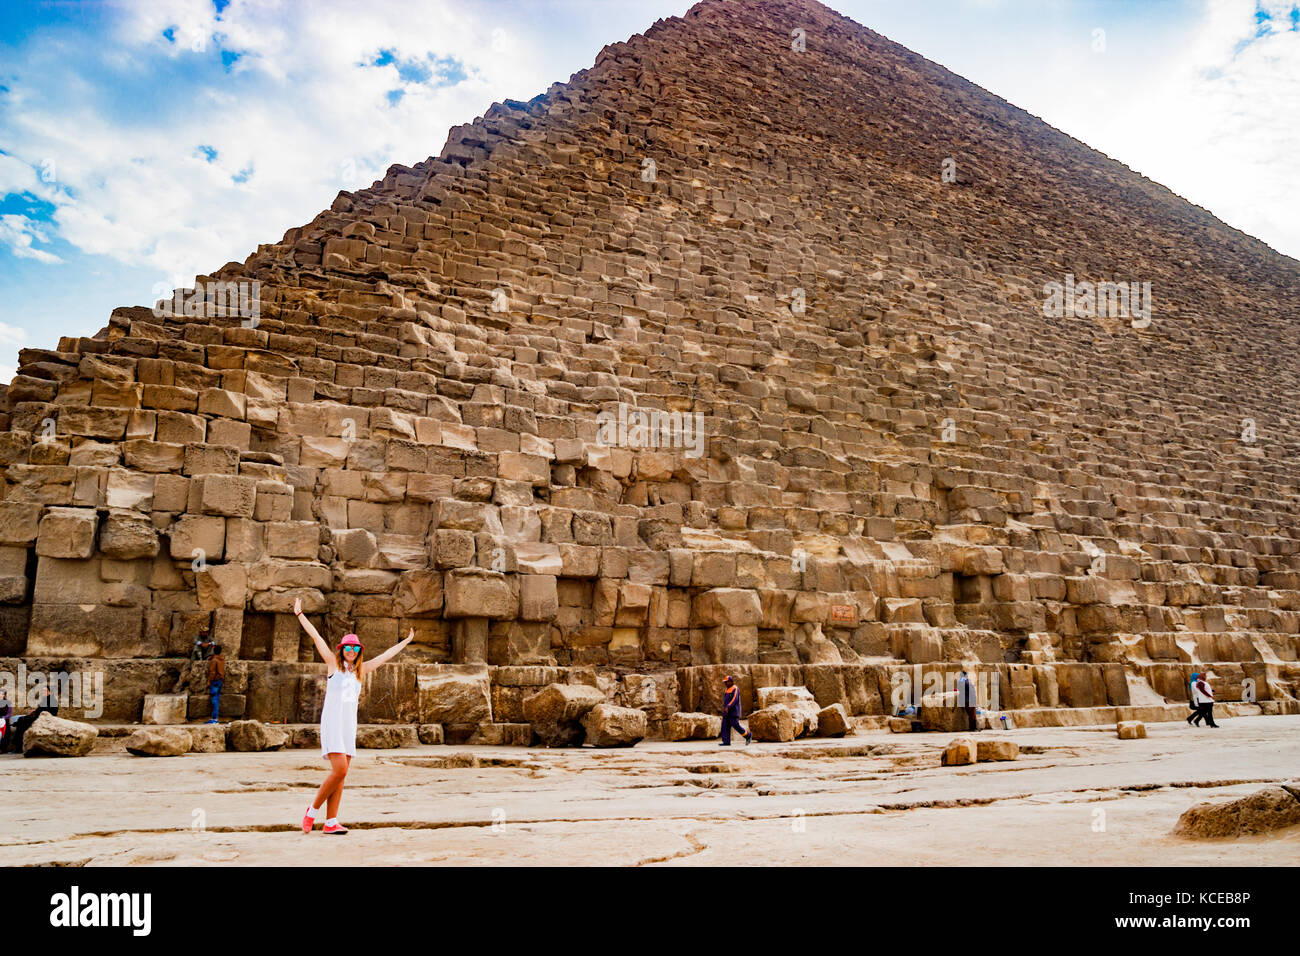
[731,714]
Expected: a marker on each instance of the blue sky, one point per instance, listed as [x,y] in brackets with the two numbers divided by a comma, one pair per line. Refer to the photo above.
[144,142]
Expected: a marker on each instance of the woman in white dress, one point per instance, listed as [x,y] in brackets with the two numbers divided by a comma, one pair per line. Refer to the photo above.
[347,667]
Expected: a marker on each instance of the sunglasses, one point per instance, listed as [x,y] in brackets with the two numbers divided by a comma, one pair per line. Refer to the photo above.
[352,647]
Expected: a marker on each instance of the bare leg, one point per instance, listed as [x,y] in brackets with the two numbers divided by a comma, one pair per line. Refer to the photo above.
[333,782]
[332,806]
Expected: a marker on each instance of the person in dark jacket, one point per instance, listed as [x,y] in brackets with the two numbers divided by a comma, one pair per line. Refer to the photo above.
[49,705]
[968,698]
[731,714]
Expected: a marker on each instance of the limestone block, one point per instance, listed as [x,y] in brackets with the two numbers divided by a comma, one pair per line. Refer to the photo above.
[67,533]
[609,726]
[229,495]
[478,592]
[959,753]
[193,533]
[688,726]
[775,723]
[52,736]
[164,709]
[250,736]
[453,694]
[833,721]
[126,535]
[997,750]
[1130,730]
[160,742]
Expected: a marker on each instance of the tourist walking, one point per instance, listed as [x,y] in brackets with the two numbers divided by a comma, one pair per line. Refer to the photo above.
[968,698]
[731,714]
[216,678]
[1204,698]
[347,668]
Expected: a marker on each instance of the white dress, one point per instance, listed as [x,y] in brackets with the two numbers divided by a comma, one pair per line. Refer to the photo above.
[338,718]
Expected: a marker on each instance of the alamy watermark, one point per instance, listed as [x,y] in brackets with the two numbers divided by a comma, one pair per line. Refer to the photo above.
[77,690]
[651,428]
[1086,300]
[242,299]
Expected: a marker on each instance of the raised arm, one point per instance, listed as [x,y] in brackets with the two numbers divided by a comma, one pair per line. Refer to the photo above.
[322,648]
[388,655]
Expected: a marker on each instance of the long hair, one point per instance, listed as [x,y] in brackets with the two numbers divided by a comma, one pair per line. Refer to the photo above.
[356,667]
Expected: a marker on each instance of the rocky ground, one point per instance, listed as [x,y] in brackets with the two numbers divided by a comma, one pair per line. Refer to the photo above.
[1074,796]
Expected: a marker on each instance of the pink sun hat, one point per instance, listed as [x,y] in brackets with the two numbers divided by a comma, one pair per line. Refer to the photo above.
[349,639]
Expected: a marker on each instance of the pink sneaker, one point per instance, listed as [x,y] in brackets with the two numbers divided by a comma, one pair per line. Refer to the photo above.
[307,823]
[336,828]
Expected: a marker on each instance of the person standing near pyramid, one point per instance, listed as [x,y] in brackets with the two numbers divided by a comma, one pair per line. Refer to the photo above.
[347,668]
[731,714]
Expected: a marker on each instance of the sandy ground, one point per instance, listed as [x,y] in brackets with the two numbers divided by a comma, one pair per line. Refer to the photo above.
[1075,796]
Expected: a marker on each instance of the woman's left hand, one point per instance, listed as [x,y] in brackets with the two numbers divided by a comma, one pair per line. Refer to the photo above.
[411,636]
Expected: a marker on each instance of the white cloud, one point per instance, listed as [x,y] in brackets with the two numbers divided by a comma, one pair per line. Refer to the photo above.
[18,233]
[301,115]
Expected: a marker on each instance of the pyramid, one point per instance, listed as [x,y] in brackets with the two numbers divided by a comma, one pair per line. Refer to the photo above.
[737,353]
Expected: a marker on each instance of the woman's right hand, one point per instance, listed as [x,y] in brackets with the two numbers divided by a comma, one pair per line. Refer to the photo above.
[297,606]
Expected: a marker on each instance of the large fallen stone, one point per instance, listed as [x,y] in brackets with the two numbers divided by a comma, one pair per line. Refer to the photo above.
[1273,808]
[776,723]
[694,727]
[803,706]
[160,742]
[556,713]
[1130,730]
[833,721]
[997,750]
[52,736]
[250,736]
[610,726]
[960,752]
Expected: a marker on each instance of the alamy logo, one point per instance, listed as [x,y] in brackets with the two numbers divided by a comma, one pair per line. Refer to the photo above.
[74,908]
[78,690]
[651,428]
[242,299]
[1086,300]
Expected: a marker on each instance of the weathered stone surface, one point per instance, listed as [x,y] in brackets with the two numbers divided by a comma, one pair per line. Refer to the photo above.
[454,696]
[556,713]
[775,723]
[1273,808]
[694,727]
[996,749]
[1130,730]
[960,752]
[610,726]
[253,735]
[164,709]
[52,736]
[160,742]
[386,736]
[67,533]
[833,721]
